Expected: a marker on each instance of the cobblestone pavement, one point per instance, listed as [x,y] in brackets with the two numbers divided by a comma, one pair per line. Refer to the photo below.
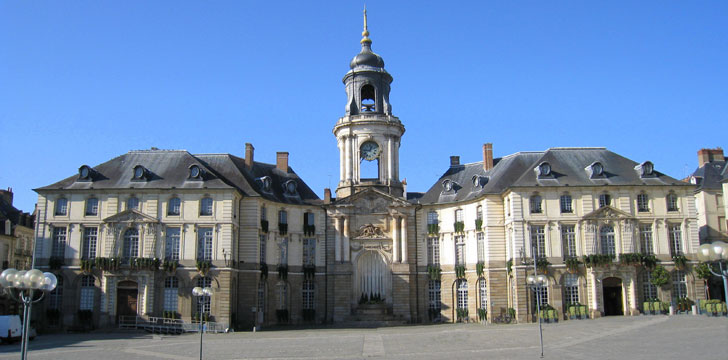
[640,337]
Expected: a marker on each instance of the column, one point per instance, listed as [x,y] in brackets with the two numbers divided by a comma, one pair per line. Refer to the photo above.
[404,239]
[337,245]
[342,161]
[390,161]
[595,293]
[345,250]
[632,293]
[395,240]
[347,148]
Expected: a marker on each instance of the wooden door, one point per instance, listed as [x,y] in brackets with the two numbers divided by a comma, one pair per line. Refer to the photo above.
[126,302]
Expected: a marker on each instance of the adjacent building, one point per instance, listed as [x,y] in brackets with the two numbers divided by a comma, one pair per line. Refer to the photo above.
[16,242]
[131,237]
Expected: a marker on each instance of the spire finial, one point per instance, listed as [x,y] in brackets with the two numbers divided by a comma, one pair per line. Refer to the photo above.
[365,34]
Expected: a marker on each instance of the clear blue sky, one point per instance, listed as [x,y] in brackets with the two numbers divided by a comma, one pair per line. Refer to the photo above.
[84,81]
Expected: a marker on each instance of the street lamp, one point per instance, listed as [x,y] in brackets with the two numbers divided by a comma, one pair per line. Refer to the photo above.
[21,286]
[717,252]
[536,282]
[199,292]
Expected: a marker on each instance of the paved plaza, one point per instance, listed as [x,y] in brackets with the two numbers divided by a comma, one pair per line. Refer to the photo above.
[640,337]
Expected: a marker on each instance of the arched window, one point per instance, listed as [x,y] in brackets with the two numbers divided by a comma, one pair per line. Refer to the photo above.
[132,203]
[483,294]
[571,289]
[462,294]
[672,202]
[61,206]
[171,291]
[649,290]
[131,244]
[536,204]
[206,206]
[203,302]
[606,239]
[368,96]
[679,285]
[643,204]
[173,206]
[92,206]
[88,287]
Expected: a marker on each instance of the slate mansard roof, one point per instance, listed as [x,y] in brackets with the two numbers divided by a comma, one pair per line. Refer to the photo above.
[711,174]
[568,168]
[170,169]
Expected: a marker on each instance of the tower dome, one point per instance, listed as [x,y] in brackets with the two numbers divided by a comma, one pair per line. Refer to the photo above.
[366,57]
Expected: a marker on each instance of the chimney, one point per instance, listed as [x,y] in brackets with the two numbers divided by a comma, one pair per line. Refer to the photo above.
[454,160]
[282,161]
[404,188]
[327,196]
[707,155]
[487,156]
[249,150]
[7,195]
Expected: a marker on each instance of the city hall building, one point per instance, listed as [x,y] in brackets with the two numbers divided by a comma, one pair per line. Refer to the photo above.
[132,236]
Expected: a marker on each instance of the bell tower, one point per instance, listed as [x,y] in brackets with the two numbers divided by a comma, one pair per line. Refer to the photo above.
[368,136]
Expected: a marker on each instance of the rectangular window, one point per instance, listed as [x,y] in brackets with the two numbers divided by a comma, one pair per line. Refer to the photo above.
[646,239]
[171,291]
[649,290]
[433,251]
[535,204]
[459,215]
[92,206]
[206,206]
[434,296]
[431,218]
[541,294]
[61,206]
[643,203]
[605,200]
[283,254]
[307,294]
[173,207]
[171,244]
[203,302]
[282,296]
[55,300]
[58,247]
[571,289]
[568,239]
[309,251]
[282,217]
[460,250]
[675,239]
[481,246]
[262,248]
[566,204]
[538,239]
[671,202]
[309,218]
[261,297]
[679,285]
[204,244]
[90,235]
[87,298]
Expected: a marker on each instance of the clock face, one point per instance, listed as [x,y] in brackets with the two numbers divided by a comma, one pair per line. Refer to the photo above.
[369,150]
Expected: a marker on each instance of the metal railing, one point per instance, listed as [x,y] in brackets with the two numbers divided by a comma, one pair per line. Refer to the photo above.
[159,325]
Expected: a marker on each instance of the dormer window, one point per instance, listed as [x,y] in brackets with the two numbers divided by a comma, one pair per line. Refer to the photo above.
[85,173]
[595,170]
[646,169]
[447,185]
[543,169]
[479,181]
[140,173]
[290,187]
[196,173]
[265,183]
[368,98]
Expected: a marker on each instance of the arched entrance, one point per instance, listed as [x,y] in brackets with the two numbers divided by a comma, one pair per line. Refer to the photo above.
[612,296]
[373,278]
[126,299]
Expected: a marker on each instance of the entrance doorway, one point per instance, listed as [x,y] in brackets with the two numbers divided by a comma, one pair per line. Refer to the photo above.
[126,299]
[612,294]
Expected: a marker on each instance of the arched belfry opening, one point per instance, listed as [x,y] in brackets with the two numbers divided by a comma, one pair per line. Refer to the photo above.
[368,96]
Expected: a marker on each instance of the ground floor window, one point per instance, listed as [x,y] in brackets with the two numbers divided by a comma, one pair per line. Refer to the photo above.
[540,297]
[462,294]
[679,285]
[308,294]
[649,290]
[204,303]
[435,300]
[88,287]
[571,289]
[261,297]
[171,291]
[483,293]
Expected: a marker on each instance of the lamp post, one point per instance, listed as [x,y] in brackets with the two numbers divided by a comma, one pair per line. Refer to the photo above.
[199,292]
[716,252]
[21,286]
[536,282]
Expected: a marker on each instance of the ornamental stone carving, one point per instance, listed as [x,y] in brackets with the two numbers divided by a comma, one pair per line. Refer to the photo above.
[369,231]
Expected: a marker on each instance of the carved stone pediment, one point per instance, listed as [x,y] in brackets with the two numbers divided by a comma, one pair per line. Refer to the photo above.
[371,201]
[371,245]
[607,213]
[130,216]
[370,231]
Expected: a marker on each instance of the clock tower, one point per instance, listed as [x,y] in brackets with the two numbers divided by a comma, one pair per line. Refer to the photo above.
[368,136]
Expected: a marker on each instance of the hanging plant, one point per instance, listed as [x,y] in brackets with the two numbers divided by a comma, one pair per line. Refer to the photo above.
[459,227]
[660,276]
[263,270]
[309,230]
[433,229]
[309,271]
[462,314]
[434,272]
[282,228]
[649,261]
[478,224]
[680,261]
[283,272]
[702,271]
[460,271]
[542,264]
[170,266]
[87,266]
[203,266]
[630,259]
[482,313]
[55,262]
[479,267]
[572,264]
